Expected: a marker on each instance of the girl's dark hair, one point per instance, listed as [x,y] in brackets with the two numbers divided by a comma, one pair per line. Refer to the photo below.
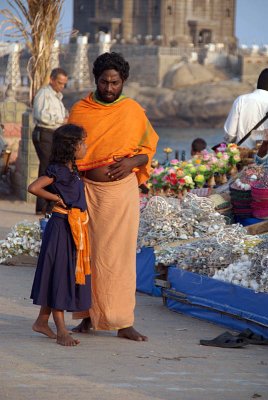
[111,61]
[65,140]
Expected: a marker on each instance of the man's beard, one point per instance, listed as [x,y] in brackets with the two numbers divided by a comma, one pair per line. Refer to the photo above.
[109,99]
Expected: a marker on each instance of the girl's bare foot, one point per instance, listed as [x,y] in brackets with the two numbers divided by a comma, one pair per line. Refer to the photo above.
[84,326]
[44,329]
[65,339]
[131,334]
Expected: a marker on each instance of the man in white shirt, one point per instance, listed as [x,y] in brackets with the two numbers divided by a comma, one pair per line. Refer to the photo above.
[246,112]
[48,113]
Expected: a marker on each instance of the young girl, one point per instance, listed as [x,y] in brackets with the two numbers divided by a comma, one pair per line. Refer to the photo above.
[62,280]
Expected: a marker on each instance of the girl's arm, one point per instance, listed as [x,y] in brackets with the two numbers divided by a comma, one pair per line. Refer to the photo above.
[38,189]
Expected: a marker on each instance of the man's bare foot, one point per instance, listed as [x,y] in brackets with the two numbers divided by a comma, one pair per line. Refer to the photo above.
[65,339]
[131,334]
[84,326]
[44,329]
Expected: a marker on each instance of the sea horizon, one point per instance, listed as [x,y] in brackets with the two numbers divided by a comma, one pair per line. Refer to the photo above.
[180,139]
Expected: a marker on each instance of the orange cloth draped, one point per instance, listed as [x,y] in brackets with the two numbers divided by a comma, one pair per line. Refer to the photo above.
[78,221]
[113,209]
[119,129]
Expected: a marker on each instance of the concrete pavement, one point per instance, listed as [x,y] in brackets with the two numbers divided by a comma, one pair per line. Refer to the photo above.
[170,366]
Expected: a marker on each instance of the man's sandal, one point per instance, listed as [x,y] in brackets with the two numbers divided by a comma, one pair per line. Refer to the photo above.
[226,340]
[252,337]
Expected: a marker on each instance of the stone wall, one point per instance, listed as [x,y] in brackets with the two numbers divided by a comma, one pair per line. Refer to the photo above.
[16,118]
[252,65]
[27,163]
[11,118]
[150,63]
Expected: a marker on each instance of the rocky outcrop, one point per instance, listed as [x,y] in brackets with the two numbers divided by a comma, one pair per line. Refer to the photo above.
[187,74]
[202,104]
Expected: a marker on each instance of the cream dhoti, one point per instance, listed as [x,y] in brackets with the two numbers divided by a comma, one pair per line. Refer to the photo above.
[113,209]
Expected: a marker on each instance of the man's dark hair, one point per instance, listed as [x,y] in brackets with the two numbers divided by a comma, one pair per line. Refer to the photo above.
[111,61]
[263,80]
[56,72]
[198,145]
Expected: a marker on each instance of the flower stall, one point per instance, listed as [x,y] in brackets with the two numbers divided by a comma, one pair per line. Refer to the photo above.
[206,169]
[188,251]
[205,267]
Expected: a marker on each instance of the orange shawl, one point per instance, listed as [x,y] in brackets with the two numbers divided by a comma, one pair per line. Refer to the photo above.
[78,221]
[119,129]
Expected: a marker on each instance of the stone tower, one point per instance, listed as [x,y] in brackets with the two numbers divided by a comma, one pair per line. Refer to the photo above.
[13,77]
[173,21]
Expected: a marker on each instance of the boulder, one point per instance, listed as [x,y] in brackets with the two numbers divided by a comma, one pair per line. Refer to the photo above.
[187,74]
[199,105]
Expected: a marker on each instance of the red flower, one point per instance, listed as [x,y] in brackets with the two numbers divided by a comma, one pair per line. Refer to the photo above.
[172,179]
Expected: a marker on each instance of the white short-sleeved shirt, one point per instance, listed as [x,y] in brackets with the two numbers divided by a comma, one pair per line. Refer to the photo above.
[246,112]
[48,109]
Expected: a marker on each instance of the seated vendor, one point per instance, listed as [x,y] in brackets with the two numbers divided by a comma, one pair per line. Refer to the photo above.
[198,145]
[261,158]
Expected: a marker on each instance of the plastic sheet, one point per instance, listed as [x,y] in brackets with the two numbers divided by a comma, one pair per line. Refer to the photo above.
[223,303]
[145,269]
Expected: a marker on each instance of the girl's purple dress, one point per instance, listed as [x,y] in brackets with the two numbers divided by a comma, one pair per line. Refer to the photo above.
[54,282]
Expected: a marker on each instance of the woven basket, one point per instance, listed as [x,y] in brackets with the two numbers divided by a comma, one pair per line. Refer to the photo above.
[238,194]
[261,214]
[259,193]
[259,204]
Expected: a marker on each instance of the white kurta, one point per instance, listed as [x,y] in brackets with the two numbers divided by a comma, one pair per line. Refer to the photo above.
[246,112]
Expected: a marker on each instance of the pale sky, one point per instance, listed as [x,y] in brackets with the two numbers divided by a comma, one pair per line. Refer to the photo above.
[251,20]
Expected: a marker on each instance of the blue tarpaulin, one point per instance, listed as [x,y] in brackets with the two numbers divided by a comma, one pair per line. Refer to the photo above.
[220,302]
[145,269]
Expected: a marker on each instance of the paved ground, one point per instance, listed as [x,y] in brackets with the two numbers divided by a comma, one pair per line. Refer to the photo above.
[170,366]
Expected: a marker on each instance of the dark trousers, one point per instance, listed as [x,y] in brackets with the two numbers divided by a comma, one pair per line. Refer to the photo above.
[42,140]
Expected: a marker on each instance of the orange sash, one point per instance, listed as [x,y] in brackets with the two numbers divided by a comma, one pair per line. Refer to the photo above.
[119,129]
[78,221]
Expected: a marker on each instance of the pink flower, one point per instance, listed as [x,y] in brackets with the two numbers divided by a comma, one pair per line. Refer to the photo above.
[158,171]
[222,147]
[213,160]
[225,156]
[206,156]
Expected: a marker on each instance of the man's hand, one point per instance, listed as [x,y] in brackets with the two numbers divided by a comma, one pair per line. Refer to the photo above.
[124,166]
[121,168]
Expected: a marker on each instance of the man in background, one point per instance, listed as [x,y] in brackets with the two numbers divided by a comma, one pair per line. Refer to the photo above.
[48,114]
[246,112]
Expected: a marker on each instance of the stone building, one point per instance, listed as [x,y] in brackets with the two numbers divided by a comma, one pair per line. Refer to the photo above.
[168,22]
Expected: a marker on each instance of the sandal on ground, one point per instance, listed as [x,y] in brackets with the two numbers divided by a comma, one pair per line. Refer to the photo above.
[226,340]
[252,338]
